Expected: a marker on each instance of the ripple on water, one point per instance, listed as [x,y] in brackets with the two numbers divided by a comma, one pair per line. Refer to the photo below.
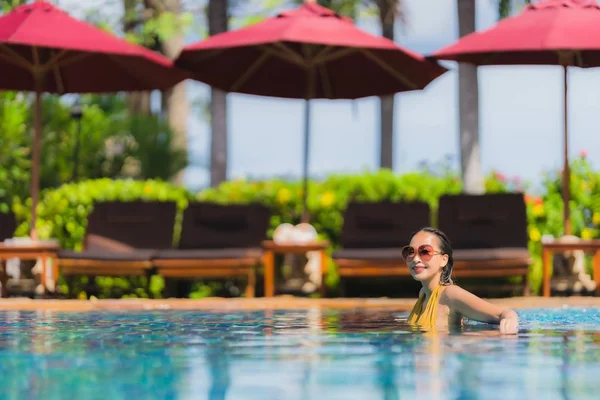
[295,354]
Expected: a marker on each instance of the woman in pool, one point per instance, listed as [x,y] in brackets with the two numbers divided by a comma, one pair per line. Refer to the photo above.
[441,303]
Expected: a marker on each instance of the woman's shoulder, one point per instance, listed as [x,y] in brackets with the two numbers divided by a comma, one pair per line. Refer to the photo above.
[453,292]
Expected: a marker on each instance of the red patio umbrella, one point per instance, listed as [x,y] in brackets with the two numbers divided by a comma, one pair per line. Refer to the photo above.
[307,53]
[43,49]
[548,32]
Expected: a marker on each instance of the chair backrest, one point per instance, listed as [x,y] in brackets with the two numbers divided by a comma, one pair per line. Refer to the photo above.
[140,224]
[484,221]
[216,226]
[8,225]
[383,225]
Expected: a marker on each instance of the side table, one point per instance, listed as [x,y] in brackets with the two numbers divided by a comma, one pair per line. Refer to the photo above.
[27,252]
[271,248]
[556,245]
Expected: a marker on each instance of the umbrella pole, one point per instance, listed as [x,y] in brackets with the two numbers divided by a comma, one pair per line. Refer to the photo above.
[566,178]
[305,213]
[35,167]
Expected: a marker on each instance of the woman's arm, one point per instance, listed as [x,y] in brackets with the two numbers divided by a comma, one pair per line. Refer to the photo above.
[475,308]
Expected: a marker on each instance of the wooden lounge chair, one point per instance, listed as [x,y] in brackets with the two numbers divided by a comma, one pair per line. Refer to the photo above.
[217,241]
[121,239]
[488,233]
[373,235]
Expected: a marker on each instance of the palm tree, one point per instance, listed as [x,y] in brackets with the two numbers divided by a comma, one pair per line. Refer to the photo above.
[387,11]
[218,21]
[468,108]
[468,95]
[175,104]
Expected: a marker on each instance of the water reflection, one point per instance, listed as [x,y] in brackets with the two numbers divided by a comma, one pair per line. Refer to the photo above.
[303,354]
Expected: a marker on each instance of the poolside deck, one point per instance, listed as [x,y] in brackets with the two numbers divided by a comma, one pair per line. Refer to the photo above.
[280,302]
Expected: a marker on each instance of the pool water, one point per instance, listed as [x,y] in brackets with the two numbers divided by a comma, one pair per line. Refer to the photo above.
[297,354]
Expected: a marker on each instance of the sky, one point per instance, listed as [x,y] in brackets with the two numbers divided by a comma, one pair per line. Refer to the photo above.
[521,117]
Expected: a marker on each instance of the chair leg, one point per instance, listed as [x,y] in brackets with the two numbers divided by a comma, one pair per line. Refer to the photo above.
[324,273]
[526,287]
[148,280]
[3,279]
[342,287]
[69,281]
[251,283]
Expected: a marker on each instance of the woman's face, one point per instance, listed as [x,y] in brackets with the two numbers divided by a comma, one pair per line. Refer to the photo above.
[424,257]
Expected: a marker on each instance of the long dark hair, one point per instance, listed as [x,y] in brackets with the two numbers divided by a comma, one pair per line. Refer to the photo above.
[445,248]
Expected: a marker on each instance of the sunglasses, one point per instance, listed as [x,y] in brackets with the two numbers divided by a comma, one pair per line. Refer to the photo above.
[426,252]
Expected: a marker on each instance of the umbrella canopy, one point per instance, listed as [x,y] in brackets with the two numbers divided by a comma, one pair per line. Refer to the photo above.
[43,49]
[548,32]
[307,53]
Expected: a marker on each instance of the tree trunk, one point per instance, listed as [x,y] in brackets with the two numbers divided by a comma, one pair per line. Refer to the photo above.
[468,99]
[138,102]
[174,100]
[387,16]
[218,21]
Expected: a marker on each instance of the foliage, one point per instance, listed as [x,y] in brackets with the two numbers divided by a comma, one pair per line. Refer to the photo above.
[497,182]
[14,149]
[348,8]
[59,137]
[7,5]
[112,144]
[506,7]
[62,213]
[328,199]
[160,26]
[153,148]
[353,8]
[545,212]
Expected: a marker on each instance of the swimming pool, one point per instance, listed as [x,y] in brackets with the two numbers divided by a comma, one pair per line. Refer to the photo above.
[293,354]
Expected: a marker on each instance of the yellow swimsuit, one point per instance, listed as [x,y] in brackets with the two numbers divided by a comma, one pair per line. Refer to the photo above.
[426,318]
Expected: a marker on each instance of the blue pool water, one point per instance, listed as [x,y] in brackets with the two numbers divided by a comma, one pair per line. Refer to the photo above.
[300,354]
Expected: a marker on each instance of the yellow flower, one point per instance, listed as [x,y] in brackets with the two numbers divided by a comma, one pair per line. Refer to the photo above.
[596,218]
[327,199]
[147,189]
[534,234]
[284,195]
[538,210]
[586,234]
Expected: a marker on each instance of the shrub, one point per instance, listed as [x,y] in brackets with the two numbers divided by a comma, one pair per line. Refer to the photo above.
[63,212]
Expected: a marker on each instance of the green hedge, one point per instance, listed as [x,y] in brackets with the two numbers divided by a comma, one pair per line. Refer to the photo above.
[328,199]
[63,212]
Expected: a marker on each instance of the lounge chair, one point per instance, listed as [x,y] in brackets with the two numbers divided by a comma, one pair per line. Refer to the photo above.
[217,241]
[373,235]
[121,239]
[488,233]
